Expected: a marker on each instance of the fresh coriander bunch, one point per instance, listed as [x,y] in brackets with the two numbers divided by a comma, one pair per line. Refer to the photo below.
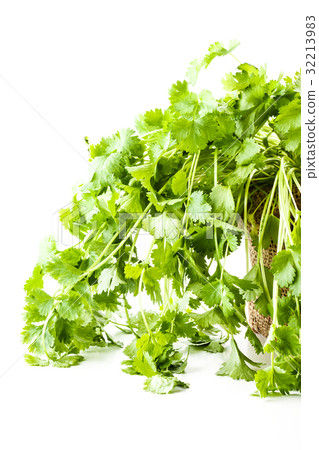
[182,177]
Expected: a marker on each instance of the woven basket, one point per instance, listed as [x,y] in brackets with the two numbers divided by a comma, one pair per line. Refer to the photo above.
[257,322]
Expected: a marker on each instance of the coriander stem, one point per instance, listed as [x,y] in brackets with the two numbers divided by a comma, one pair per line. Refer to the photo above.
[94,266]
[128,318]
[190,188]
[231,54]
[262,227]
[140,284]
[97,266]
[133,246]
[215,167]
[296,181]
[119,324]
[246,218]
[97,235]
[102,254]
[232,223]
[166,294]
[151,132]
[215,229]
[283,203]
[47,320]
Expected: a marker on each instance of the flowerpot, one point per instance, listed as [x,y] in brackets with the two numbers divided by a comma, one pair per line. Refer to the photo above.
[257,322]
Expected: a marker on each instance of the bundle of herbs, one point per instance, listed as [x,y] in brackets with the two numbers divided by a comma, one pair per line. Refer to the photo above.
[187,176]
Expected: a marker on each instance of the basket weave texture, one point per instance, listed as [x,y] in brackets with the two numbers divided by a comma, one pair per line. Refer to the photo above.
[257,322]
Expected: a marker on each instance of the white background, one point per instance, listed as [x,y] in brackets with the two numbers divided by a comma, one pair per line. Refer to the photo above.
[72,69]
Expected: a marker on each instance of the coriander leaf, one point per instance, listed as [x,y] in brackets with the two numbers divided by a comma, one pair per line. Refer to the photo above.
[108,280]
[70,306]
[150,121]
[236,366]
[239,175]
[31,313]
[63,330]
[131,202]
[133,272]
[144,364]
[193,71]
[222,200]
[272,380]
[143,173]
[282,267]
[42,301]
[213,292]
[288,123]
[160,384]
[164,225]
[46,250]
[138,323]
[248,151]
[207,102]
[179,183]
[253,339]
[86,336]
[215,316]
[107,201]
[71,256]
[127,143]
[271,231]
[64,273]
[213,347]
[35,361]
[177,323]
[107,301]
[284,341]
[35,281]
[184,101]
[198,208]
[68,361]
[192,135]
[218,49]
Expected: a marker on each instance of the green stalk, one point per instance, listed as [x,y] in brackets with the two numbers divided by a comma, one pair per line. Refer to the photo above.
[45,325]
[96,266]
[191,178]
[140,285]
[246,218]
[140,303]
[232,223]
[281,187]
[98,234]
[272,382]
[215,184]
[133,246]
[284,202]
[263,223]
[235,58]
[129,324]
[166,294]
[296,181]
[289,189]
[90,269]
[152,132]
[215,167]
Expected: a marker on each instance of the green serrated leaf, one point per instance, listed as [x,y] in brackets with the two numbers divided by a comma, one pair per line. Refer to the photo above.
[68,361]
[35,361]
[236,367]
[108,280]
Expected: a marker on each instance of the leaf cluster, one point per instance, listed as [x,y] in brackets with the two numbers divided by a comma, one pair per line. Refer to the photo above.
[184,176]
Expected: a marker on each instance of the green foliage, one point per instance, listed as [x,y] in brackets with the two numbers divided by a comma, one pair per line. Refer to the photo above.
[236,366]
[184,177]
